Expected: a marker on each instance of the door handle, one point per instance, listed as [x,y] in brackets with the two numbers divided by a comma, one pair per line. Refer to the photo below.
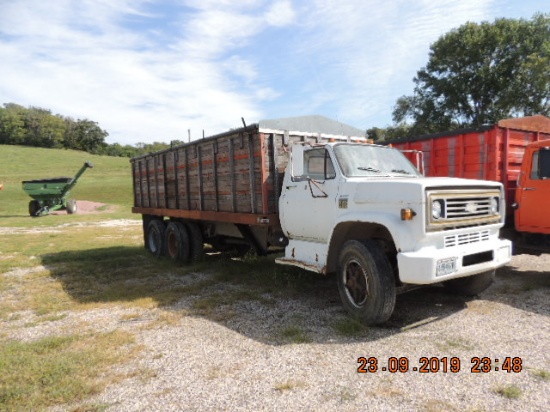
[528,188]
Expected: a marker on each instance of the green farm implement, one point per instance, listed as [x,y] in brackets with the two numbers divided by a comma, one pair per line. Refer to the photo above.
[51,194]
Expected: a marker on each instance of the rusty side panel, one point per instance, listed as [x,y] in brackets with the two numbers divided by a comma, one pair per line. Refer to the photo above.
[223,175]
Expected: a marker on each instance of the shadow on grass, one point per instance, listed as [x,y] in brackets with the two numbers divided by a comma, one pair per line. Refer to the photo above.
[264,301]
[114,274]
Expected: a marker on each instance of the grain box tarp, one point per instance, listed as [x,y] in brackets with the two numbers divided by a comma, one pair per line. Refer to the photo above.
[238,173]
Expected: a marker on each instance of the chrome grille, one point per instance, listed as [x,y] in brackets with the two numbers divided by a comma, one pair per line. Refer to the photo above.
[467,207]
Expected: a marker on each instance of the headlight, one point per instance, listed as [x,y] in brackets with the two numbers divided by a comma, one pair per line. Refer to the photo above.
[493,206]
[436,209]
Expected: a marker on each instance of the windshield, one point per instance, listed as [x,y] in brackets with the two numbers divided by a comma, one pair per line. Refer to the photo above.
[359,160]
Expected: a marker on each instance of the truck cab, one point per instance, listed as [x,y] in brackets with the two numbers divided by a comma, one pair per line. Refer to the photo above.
[364,212]
[533,195]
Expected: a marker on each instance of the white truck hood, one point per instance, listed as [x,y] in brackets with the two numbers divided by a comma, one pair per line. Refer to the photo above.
[405,190]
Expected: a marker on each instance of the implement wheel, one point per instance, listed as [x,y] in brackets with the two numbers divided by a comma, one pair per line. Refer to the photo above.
[34,207]
[154,238]
[365,282]
[178,247]
[71,207]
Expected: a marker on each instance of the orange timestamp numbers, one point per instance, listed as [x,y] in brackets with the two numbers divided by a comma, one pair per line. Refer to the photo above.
[434,364]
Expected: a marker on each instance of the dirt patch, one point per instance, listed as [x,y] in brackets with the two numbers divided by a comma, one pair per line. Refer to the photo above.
[85,207]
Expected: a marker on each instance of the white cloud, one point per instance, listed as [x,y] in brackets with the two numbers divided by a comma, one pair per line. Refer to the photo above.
[280,13]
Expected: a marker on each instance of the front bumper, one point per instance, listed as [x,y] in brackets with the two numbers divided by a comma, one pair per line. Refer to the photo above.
[420,267]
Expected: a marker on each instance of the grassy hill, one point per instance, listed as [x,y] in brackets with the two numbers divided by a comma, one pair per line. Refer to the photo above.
[108,182]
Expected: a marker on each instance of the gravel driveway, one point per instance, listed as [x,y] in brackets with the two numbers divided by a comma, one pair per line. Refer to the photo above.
[252,361]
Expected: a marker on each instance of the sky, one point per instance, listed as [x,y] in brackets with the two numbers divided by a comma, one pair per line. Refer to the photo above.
[148,70]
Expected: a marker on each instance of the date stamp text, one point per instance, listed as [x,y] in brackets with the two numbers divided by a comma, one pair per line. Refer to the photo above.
[438,365]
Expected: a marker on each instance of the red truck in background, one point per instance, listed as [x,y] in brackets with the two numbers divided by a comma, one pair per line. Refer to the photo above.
[515,152]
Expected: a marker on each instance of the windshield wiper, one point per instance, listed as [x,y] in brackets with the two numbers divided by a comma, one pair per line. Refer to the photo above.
[404,172]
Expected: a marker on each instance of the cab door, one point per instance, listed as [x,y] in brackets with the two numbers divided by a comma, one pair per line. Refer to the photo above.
[307,204]
[533,193]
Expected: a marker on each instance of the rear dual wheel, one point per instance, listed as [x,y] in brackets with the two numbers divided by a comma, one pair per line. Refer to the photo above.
[154,236]
[178,247]
[179,241]
[196,241]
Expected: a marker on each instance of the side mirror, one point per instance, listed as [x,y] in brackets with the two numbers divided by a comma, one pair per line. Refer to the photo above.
[297,160]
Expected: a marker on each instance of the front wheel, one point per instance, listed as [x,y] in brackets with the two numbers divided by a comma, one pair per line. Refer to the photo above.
[365,282]
[471,285]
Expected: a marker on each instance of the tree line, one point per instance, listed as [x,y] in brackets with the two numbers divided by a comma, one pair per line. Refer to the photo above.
[38,127]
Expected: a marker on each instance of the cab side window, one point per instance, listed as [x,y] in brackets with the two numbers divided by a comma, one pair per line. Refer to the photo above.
[318,165]
[544,163]
[540,168]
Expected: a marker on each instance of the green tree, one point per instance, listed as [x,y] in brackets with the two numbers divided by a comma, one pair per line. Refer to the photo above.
[42,129]
[12,124]
[389,133]
[70,138]
[118,150]
[34,124]
[89,136]
[376,133]
[53,131]
[481,73]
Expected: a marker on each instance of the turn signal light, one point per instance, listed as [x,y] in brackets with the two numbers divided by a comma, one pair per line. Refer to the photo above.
[407,214]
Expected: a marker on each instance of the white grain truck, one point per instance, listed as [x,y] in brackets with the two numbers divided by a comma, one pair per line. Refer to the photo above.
[337,204]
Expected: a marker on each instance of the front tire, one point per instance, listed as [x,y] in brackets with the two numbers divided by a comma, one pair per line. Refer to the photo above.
[365,282]
[471,285]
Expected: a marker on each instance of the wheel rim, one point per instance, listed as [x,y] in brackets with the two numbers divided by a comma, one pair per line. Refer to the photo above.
[356,283]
